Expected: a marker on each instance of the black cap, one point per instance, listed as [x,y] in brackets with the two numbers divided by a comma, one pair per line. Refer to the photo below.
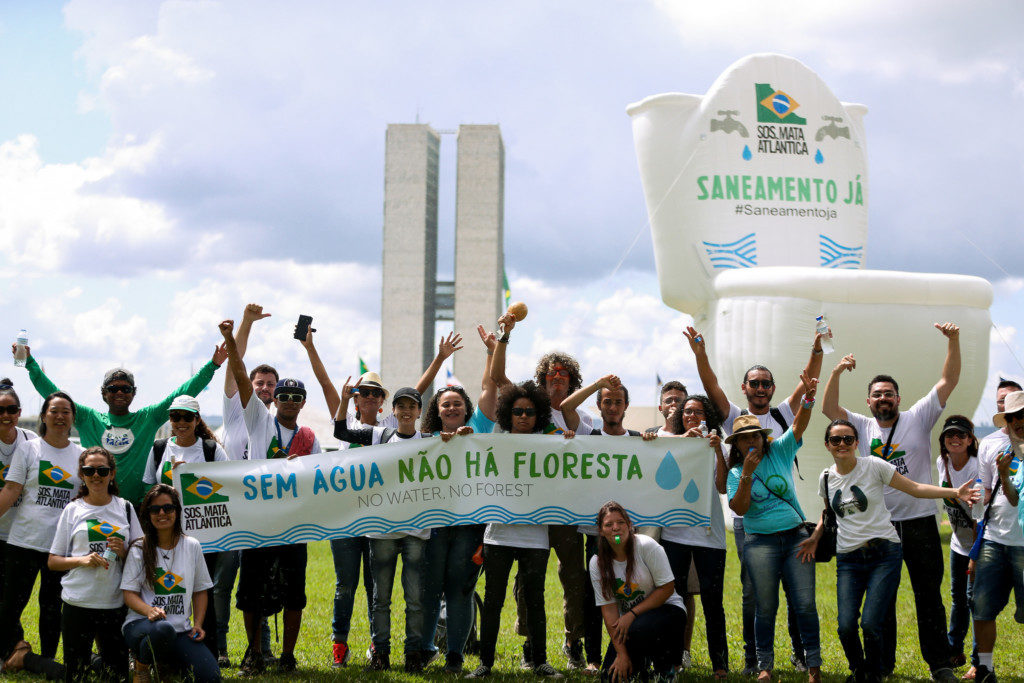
[290,386]
[408,392]
[957,423]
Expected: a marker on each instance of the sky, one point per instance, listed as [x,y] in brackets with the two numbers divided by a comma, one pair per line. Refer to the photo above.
[164,163]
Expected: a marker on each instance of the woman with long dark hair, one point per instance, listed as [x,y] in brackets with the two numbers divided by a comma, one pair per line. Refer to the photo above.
[44,473]
[635,588]
[90,546]
[191,441]
[166,588]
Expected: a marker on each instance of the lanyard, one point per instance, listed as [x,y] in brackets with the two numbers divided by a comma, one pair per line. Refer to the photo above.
[277,426]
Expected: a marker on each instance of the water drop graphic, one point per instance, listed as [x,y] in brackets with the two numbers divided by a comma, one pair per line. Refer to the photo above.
[819,157]
[692,492]
[668,475]
[746,153]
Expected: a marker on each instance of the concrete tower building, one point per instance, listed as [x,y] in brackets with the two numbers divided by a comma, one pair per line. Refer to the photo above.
[412,298]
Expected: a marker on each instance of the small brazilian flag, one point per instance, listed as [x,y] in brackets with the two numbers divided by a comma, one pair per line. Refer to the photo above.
[167,583]
[362,366]
[508,290]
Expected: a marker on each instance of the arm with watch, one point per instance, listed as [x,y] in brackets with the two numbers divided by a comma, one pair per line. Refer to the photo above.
[498,359]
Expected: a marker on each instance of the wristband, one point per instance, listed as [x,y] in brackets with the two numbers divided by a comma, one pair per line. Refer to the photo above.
[490,353]
[504,338]
[633,613]
[748,477]
[816,352]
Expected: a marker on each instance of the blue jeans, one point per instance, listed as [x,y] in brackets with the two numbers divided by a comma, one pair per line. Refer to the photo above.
[383,558]
[961,590]
[450,572]
[348,554]
[149,639]
[223,583]
[769,558]
[868,576]
[1000,569]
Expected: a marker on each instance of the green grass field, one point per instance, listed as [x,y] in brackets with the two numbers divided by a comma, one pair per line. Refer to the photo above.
[314,649]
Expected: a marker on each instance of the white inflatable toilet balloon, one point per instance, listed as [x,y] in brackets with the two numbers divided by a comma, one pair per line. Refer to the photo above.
[746,244]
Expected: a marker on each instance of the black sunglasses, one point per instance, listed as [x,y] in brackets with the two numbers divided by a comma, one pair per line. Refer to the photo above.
[528,412]
[291,398]
[370,392]
[89,470]
[10,410]
[119,389]
[178,417]
[847,439]
[166,507]
[760,383]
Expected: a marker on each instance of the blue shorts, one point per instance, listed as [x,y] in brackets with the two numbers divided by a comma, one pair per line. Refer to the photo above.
[999,569]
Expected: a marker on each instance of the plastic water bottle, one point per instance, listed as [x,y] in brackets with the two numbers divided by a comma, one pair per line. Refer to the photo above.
[20,352]
[825,331]
[109,555]
[978,509]
[703,428]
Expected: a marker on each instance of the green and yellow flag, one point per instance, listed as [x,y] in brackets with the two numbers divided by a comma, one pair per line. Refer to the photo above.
[362,366]
[508,290]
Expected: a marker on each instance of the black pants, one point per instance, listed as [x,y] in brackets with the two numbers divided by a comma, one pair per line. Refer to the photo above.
[210,619]
[922,553]
[533,565]
[710,563]
[21,565]
[593,622]
[80,626]
[655,639]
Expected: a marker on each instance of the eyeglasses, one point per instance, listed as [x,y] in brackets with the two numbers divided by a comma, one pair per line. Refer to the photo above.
[883,394]
[291,398]
[848,439]
[370,392]
[10,410]
[182,417]
[528,412]
[760,383]
[556,372]
[90,471]
[119,389]
[166,507]
[1013,417]
[692,411]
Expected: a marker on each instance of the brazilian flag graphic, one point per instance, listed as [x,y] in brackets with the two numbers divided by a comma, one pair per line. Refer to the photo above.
[776,106]
[167,474]
[200,490]
[101,531]
[54,476]
[3,475]
[167,583]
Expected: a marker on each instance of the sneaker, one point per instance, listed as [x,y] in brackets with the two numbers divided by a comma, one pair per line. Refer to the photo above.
[379,661]
[798,662]
[686,662]
[452,663]
[341,655]
[982,674]
[527,661]
[253,663]
[287,663]
[413,663]
[946,675]
[223,662]
[546,670]
[574,654]
[269,659]
[482,671]
[427,657]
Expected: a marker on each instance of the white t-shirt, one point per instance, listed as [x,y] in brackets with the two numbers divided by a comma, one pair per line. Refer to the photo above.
[585,426]
[84,529]
[6,457]
[962,538]
[236,439]
[533,536]
[50,478]
[857,498]
[180,572]
[266,434]
[174,453]
[383,420]
[391,535]
[650,570]
[1002,526]
[766,421]
[910,452]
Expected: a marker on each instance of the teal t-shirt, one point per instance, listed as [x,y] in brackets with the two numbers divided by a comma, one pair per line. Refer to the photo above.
[768,513]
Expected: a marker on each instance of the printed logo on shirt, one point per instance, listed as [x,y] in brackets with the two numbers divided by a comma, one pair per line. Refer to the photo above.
[54,475]
[100,530]
[629,594]
[552,428]
[117,440]
[842,508]
[274,449]
[894,456]
[167,583]
[200,490]
[3,475]
[167,473]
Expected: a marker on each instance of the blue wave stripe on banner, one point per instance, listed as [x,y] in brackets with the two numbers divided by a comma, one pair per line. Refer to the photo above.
[739,254]
[835,255]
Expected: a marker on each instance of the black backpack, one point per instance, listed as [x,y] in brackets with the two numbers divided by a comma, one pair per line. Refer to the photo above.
[160,445]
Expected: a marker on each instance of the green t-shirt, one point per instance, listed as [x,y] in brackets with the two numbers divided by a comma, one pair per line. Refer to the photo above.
[129,437]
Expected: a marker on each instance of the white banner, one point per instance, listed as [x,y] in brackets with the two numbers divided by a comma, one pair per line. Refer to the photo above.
[424,483]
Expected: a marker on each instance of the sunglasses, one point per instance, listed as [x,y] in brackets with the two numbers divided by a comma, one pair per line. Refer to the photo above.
[528,412]
[119,389]
[166,507]
[371,392]
[1013,417]
[10,410]
[291,398]
[557,372]
[848,439]
[760,383]
[182,417]
[954,434]
[90,471]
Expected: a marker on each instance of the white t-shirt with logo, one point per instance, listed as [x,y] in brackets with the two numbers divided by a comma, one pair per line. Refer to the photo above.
[50,478]
[180,573]
[174,453]
[267,435]
[766,420]
[1002,526]
[910,452]
[423,534]
[585,426]
[650,570]
[962,539]
[858,499]
[6,457]
[84,529]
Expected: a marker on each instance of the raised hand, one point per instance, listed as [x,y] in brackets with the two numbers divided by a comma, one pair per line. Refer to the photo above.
[487,338]
[349,390]
[227,328]
[696,340]
[220,354]
[948,330]
[609,382]
[810,386]
[508,321]
[449,345]
[254,312]
[847,363]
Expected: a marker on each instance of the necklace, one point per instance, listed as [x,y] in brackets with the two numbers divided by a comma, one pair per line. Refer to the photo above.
[4,451]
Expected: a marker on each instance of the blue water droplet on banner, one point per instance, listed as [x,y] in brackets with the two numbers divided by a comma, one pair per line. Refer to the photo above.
[819,157]
[746,153]
[692,492]
[668,475]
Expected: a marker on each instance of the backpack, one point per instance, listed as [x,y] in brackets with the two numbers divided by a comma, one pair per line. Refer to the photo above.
[160,445]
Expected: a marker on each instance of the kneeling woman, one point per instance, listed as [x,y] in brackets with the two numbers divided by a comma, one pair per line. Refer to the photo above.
[868,550]
[635,589]
[166,586]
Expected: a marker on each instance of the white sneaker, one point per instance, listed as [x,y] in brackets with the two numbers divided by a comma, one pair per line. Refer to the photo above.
[686,661]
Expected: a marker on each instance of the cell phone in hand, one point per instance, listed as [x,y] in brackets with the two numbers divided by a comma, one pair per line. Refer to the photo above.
[302,327]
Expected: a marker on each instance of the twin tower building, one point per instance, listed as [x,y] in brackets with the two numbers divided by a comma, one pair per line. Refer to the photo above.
[413,299]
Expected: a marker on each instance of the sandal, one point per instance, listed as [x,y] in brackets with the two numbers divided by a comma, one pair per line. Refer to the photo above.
[721,675]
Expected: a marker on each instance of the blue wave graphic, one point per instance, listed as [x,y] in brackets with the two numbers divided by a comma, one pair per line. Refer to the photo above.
[307,533]
[835,255]
[739,254]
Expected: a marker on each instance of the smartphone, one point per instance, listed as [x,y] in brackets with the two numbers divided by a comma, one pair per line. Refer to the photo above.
[302,327]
